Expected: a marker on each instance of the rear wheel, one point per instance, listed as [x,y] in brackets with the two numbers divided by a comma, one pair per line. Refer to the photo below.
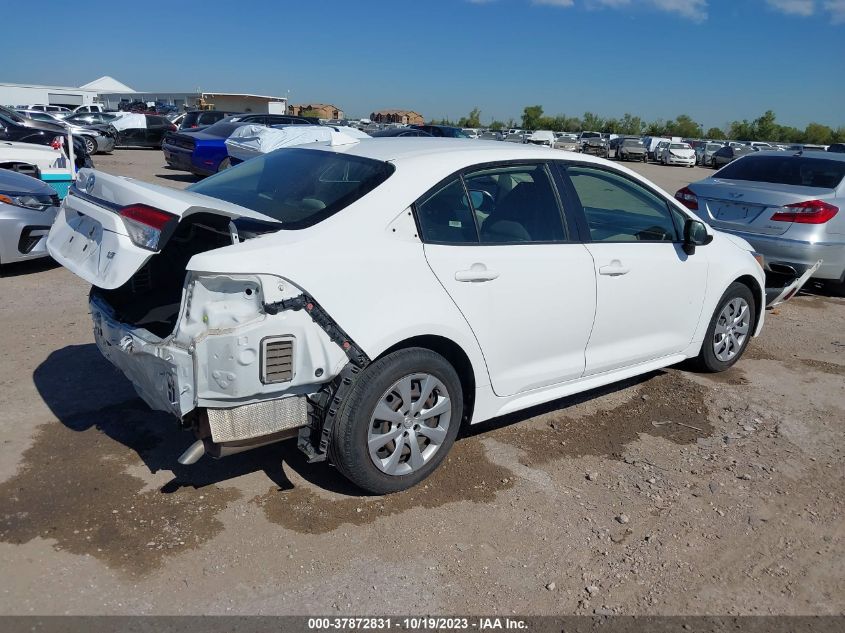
[729,331]
[398,422]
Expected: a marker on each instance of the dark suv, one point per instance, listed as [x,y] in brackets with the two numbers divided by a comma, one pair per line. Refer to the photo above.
[201,118]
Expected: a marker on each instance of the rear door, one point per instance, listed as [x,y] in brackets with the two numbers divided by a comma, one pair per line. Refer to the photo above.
[649,292]
[496,239]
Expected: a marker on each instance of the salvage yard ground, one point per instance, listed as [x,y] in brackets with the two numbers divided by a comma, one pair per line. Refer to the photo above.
[675,493]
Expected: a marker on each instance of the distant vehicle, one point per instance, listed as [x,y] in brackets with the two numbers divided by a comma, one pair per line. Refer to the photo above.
[95,107]
[678,154]
[651,143]
[14,127]
[727,154]
[760,145]
[399,131]
[838,148]
[514,137]
[704,153]
[91,118]
[593,143]
[566,142]
[201,152]
[470,132]
[491,135]
[28,207]
[97,138]
[141,130]
[629,148]
[445,131]
[273,119]
[42,107]
[788,207]
[658,149]
[541,137]
[201,118]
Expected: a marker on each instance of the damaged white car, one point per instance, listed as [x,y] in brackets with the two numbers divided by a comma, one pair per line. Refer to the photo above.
[372,297]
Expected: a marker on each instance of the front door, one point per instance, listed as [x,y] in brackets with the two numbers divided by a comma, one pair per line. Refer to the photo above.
[649,291]
[498,243]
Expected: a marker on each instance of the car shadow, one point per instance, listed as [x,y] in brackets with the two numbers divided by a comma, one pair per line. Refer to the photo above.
[84,391]
[179,177]
[28,267]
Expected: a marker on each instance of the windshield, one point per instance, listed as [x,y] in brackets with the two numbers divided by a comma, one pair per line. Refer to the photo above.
[14,116]
[223,129]
[787,170]
[590,135]
[297,187]
[632,142]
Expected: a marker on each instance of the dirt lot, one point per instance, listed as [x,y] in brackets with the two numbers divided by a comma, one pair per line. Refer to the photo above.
[676,493]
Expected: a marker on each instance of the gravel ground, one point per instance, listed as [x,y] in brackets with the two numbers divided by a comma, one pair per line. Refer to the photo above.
[675,493]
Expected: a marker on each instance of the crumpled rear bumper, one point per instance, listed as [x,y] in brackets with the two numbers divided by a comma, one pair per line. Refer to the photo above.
[163,375]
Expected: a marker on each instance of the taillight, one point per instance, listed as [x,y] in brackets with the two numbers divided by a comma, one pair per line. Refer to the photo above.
[810,212]
[147,225]
[687,198]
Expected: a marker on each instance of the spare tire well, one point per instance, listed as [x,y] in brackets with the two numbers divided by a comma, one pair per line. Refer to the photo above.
[456,356]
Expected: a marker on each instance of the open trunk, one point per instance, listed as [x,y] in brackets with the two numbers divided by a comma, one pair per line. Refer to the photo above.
[98,237]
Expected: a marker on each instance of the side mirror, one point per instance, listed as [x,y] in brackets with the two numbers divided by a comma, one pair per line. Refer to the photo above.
[695,234]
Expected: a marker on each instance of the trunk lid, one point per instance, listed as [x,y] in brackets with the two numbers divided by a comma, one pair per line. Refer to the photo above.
[91,239]
[748,206]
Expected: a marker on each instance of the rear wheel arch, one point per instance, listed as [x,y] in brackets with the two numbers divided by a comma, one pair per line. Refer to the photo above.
[456,357]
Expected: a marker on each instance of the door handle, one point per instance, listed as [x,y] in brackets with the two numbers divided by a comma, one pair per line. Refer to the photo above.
[614,269]
[476,273]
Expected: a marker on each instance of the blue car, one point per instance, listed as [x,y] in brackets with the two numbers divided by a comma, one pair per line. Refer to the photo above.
[201,152]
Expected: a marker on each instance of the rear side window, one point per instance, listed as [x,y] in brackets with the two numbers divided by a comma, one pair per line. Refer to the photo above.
[297,187]
[445,216]
[620,210]
[787,170]
[515,204]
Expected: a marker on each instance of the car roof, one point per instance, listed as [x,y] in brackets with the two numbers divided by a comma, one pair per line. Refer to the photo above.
[470,151]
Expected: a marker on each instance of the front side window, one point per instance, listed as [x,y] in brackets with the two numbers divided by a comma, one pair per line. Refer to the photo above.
[515,204]
[297,187]
[620,210]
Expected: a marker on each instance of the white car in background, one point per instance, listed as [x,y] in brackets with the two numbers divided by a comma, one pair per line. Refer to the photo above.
[541,137]
[677,154]
[372,298]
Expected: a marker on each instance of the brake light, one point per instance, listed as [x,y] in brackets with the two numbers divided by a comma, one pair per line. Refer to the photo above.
[147,225]
[810,212]
[687,198]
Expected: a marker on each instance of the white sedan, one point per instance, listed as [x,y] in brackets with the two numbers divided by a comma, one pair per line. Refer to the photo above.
[678,154]
[371,298]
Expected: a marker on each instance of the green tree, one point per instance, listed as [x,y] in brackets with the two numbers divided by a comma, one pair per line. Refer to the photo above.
[818,134]
[592,122]
[497,125]
[683,126]
[631,124]
[531,116]
[765,127]
[656,128]
[472,120]
[715,133]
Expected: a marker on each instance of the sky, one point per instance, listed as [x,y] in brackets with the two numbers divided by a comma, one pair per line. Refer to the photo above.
[716,60]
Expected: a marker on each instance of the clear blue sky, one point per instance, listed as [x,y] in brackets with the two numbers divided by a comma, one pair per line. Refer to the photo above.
[717,60]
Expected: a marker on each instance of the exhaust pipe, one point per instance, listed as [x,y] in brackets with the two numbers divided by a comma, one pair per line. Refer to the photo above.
[199,448]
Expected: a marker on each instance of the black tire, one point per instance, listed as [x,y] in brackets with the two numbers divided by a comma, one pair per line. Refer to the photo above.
[706,359]
[835,288]
[348,448]
[90,145]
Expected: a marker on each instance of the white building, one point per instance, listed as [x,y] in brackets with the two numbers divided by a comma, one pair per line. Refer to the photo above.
[111,92]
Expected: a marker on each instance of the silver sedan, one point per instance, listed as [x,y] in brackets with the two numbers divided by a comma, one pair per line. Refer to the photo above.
[27,210]
[788,206]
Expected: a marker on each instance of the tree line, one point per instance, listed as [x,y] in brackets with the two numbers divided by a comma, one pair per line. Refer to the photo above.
[763,128]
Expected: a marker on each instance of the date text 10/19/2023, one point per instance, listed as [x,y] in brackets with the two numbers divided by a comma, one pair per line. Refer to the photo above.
[429,623]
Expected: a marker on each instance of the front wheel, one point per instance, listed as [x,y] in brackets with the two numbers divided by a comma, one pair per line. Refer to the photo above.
[90,145]
[729,331]
[398,422]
